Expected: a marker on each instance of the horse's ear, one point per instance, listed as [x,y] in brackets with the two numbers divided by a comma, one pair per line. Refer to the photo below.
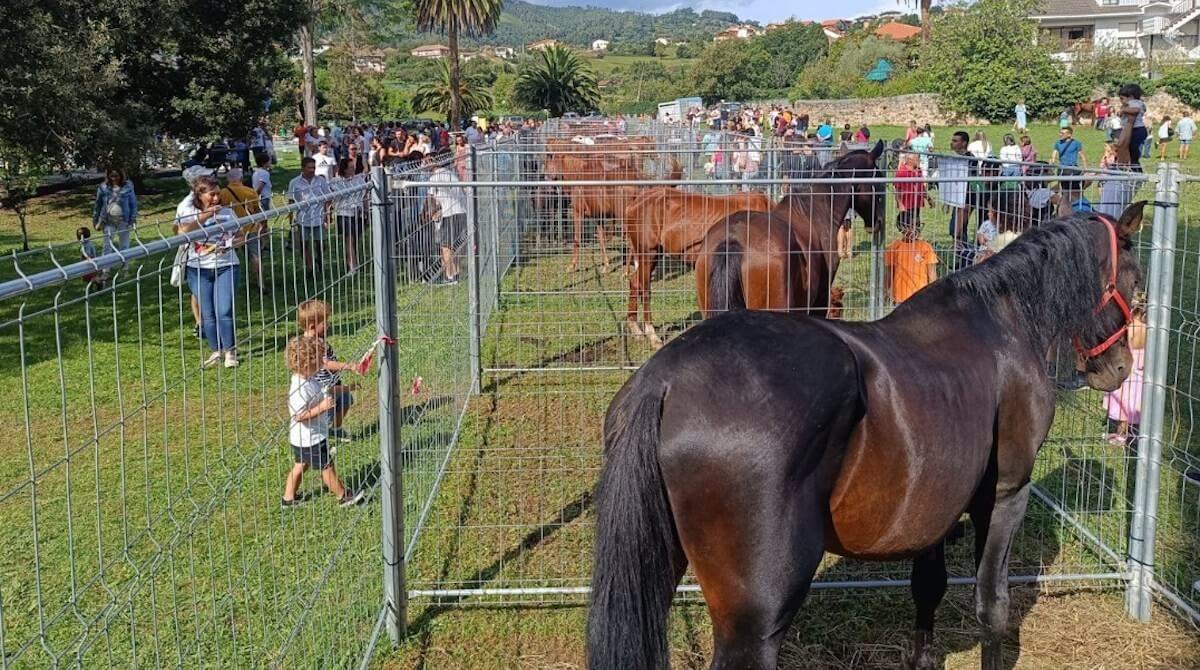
[1131,220]
[878,150]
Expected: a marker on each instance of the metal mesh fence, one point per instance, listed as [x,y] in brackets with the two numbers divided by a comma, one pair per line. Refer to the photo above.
[142,510]
[512,523]
[144,497]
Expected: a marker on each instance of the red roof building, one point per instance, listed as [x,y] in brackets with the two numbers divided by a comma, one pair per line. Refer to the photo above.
[900,32]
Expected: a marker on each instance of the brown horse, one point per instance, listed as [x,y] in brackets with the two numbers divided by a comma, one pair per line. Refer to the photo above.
[786,259]
[606,161]
[756,441]
[672,222]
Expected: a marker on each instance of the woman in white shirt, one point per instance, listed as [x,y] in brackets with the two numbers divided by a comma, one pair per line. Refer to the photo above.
[212,268]
[1010,153]
[1164,138]
[980,148]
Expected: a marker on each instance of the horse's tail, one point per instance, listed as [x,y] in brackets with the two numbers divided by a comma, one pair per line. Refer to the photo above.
[637,548]
[725,278]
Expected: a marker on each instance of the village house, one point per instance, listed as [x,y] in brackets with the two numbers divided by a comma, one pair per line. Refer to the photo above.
[540,45]
[1143,28]
[431,51]
[896,31]
[742,32]
[599,45]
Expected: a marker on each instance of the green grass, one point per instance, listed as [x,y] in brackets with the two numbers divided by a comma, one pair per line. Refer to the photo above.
[159,539]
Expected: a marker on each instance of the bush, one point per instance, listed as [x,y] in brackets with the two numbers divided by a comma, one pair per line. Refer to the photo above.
[1184,84]
[972,60]
[841,74]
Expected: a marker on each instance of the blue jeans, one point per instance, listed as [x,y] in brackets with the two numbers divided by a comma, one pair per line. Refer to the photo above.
[121,234]
[214,288]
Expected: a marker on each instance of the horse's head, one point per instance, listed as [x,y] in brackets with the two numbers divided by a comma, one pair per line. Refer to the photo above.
[867,199]
[1104,342]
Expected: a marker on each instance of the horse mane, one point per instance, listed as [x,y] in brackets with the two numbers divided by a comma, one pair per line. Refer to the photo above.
[1050,273]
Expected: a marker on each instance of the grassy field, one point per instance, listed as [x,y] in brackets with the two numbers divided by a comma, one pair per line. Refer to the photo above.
[142,495]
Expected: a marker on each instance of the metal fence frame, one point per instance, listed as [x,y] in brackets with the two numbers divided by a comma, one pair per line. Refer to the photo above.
[499,184]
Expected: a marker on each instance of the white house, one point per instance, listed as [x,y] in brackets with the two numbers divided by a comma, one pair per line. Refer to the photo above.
[431,51]
[599,45]
[1143,28]
[742,32]
[662,40]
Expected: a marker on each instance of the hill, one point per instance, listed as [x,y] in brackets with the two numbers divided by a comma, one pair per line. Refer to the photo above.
[524,22]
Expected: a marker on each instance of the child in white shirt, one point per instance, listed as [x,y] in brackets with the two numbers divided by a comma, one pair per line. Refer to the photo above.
[309,407]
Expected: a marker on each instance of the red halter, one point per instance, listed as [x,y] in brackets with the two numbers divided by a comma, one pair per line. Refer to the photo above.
[1111,294]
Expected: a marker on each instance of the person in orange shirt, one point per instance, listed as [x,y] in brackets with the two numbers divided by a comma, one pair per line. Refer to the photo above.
[911,262]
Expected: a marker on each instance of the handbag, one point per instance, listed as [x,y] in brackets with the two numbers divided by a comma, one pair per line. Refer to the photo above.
[178,265]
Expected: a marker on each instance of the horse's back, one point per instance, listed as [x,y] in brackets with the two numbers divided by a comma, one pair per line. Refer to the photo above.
[752,397]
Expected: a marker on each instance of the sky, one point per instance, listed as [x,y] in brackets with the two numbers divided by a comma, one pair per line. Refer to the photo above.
[756,10]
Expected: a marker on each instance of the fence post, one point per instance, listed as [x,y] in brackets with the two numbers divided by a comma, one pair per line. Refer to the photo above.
[494,236]
[1139,593]
[391,477]
[473,274]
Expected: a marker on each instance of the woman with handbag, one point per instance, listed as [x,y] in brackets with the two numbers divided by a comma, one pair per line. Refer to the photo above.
[115,210]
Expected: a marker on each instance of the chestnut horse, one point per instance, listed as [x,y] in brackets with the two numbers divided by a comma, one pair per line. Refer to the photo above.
[755,441]
[606,161]
[786,259]
[673,222]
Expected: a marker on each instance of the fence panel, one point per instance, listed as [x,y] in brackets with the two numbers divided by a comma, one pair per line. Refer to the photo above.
[513,523]
[142,514]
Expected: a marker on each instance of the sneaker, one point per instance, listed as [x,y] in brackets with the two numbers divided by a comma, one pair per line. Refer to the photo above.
[231,360]
[351,498]
[447,281]
[339,434]
[291,504]
[212,360]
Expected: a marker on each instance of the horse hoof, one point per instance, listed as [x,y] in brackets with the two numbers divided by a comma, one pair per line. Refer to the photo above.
[655,340]
[926,660]
[634,328]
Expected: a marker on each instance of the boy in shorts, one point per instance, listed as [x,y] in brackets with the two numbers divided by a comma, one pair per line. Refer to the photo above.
[309,409]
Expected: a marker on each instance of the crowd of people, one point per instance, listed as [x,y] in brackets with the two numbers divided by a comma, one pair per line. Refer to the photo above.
[431,219]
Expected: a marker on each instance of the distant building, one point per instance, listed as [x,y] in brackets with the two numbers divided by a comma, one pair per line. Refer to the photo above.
[599,45]
[899,32]
[1142,28]
[468,55]
[370,61]
[662,40]
[498,52]
[431,51]
[540,45]
[742,32]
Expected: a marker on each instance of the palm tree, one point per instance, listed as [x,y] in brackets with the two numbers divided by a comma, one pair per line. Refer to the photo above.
[924,6]
[457,17]
[557,80]
[437,95]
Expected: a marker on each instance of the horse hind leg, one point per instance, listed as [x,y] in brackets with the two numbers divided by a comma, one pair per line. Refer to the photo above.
[754,596]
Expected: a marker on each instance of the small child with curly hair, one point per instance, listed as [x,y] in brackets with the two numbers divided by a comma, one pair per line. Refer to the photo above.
[309,408]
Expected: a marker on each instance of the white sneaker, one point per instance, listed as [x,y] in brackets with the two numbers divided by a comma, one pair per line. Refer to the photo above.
[231,360]
[212,360]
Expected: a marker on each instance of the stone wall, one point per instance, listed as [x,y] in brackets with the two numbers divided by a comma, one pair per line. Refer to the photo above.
[1164,103]
[925,108]
[894,111]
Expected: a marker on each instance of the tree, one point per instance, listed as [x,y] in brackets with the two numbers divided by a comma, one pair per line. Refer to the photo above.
[790,48]
[971,62]
[455,18]
[438,94]
[730,70]
[925,7]
[89,82]
[558,80]
[351,94]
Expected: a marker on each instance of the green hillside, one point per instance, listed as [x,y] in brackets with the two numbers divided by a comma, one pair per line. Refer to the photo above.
[524,22]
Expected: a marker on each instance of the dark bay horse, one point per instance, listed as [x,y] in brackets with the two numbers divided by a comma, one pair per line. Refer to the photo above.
[755,441]
[786,259]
